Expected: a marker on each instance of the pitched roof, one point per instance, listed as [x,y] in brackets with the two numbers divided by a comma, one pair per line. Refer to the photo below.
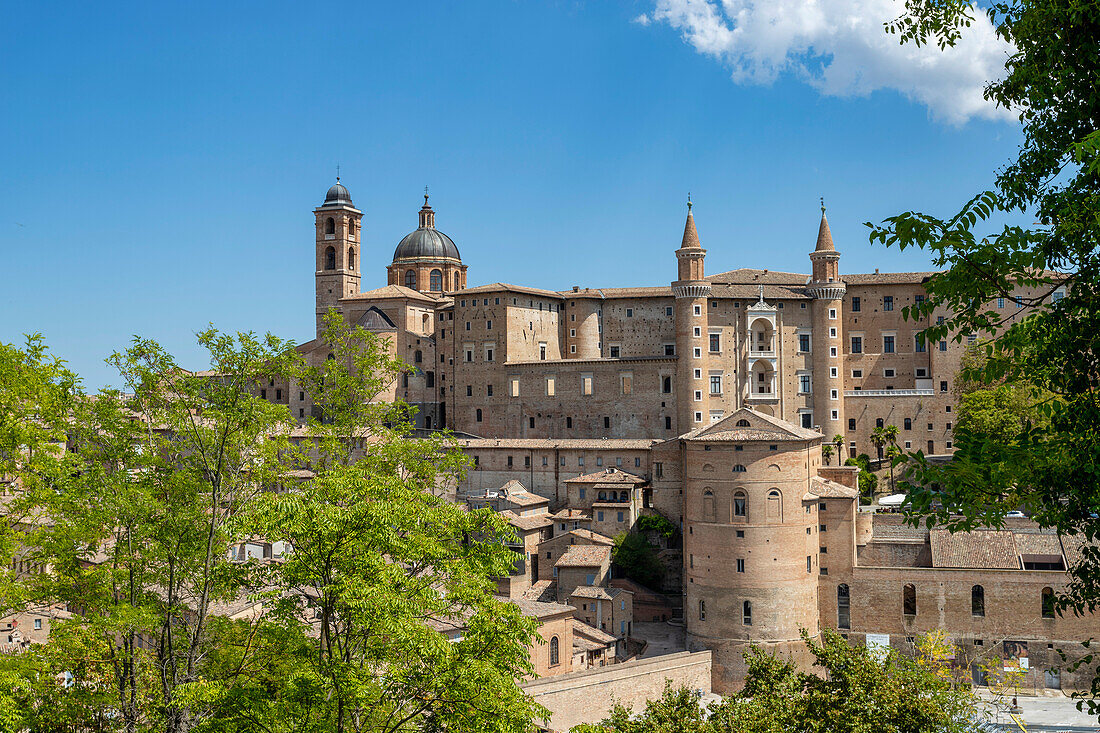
[887,278]
[562,443]
[584,556]
[596,591]
[610,475]
[571,514]
[826,489]
[507,287]
[589,536]
[1038,543]
[994,549]
[540,609]
[542,590]
[390,291]
[600,637]
[760,427]
[526,499]
[528,523]
[376,320]
[753,276]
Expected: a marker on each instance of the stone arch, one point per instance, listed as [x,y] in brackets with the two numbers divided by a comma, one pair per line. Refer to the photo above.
[775,506]
[743,423]
[330,258]
[707,467]
[708,505]
[435,282]
[351,258]
[555,652]
[330,225]
[762,378]
[761,335]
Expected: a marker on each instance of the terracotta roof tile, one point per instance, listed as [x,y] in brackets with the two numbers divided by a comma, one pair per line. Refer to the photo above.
[529,523]
[596,591]
[602,638]
[562,443]
[887,278]
[507,288]
[607,476]
[540,609]
[831,489]
[542,590]
[584,556]
[979,549]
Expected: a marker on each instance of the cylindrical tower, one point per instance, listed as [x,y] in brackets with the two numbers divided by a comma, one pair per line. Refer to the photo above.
[582,335]
[827,291]
[691,292]
[751,543]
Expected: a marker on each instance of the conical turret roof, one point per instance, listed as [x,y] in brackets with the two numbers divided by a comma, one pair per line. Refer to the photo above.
[691,237]
[824,236]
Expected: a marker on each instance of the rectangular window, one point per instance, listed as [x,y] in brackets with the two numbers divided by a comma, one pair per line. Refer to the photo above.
[572,348]
[626,382]
[488,325]
[613,351]
[804,383]
[670,349]
[488,390]
[740,564]
[888,373]
[550,386]
[807,420]
[943,346]
[1000,302]
[832,351]
[599,516]
[832,314]
[572,333]
[698,310]
[629,312]
[620,518]
[581,492]
[697,332]
[857,344]
[888,302]
[715,384]
[918,344]
[715,342]
[514,382]
[668,310]
[697,353]
[833,372]
[832,333]
[586,384]
[888,344]
[943,386]
[542,351]
[488,354]
[804,342]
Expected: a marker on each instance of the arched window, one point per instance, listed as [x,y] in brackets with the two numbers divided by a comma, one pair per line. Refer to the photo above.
[843,607]
[977,601]
[330,258]
[775,506]
[622,496]
[908,423]
[436,281]
[330,226]
[702,610]
[410,279]
[878,422]
[351,258]
[456,282]
[708,467]
[666,385]
[740,507]
[708,505]
[742,423]
[746,613]
[909,600]
[479,414]
[603,496]
[738,468]
[1048,602]
[554,653]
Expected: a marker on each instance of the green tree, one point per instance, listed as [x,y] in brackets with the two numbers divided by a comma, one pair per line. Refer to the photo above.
[867,479]
[638,559]
[838,441]
[1042,344]
[855,689]
[827,452]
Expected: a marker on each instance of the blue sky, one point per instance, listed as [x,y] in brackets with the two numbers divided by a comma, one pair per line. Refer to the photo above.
[161,162]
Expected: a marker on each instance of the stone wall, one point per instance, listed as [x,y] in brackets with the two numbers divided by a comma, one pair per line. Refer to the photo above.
[587,697]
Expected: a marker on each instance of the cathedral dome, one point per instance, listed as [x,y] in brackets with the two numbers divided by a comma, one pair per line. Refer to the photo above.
[426,242]
[337,196]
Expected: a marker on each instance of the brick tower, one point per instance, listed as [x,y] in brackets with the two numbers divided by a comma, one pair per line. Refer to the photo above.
[827,291]
[338,249]
[691,292]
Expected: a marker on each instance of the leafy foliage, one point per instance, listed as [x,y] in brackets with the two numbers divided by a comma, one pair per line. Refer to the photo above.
[659,524]
[1040,346]
[867,479]
[859,690]
[638,559]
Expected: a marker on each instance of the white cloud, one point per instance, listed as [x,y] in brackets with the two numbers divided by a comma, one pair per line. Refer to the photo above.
[841,49]
[642,19]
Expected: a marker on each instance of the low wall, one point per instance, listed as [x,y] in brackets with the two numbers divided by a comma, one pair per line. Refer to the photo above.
[587,697]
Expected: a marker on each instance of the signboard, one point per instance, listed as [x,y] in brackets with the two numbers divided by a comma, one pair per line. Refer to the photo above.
[878,644]
[1015,656]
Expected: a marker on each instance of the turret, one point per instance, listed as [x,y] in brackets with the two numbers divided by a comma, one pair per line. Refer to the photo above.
[827,290]
[691,292]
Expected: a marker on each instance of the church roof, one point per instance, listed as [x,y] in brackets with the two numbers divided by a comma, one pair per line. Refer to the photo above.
[390,292]
[607,476]
[506,287]
[337,196]
[426,242]
[749,425]
[982,548]
[376,320]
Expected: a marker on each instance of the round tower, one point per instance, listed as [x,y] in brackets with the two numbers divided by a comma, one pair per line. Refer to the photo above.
[827,290]
[750,542]
[338,249]
[582,335]
[691,292]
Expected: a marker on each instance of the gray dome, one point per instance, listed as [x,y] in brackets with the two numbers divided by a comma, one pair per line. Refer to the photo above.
[337,196]
[426,242]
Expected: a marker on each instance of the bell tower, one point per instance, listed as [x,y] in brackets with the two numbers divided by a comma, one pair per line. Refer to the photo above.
[338,249]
